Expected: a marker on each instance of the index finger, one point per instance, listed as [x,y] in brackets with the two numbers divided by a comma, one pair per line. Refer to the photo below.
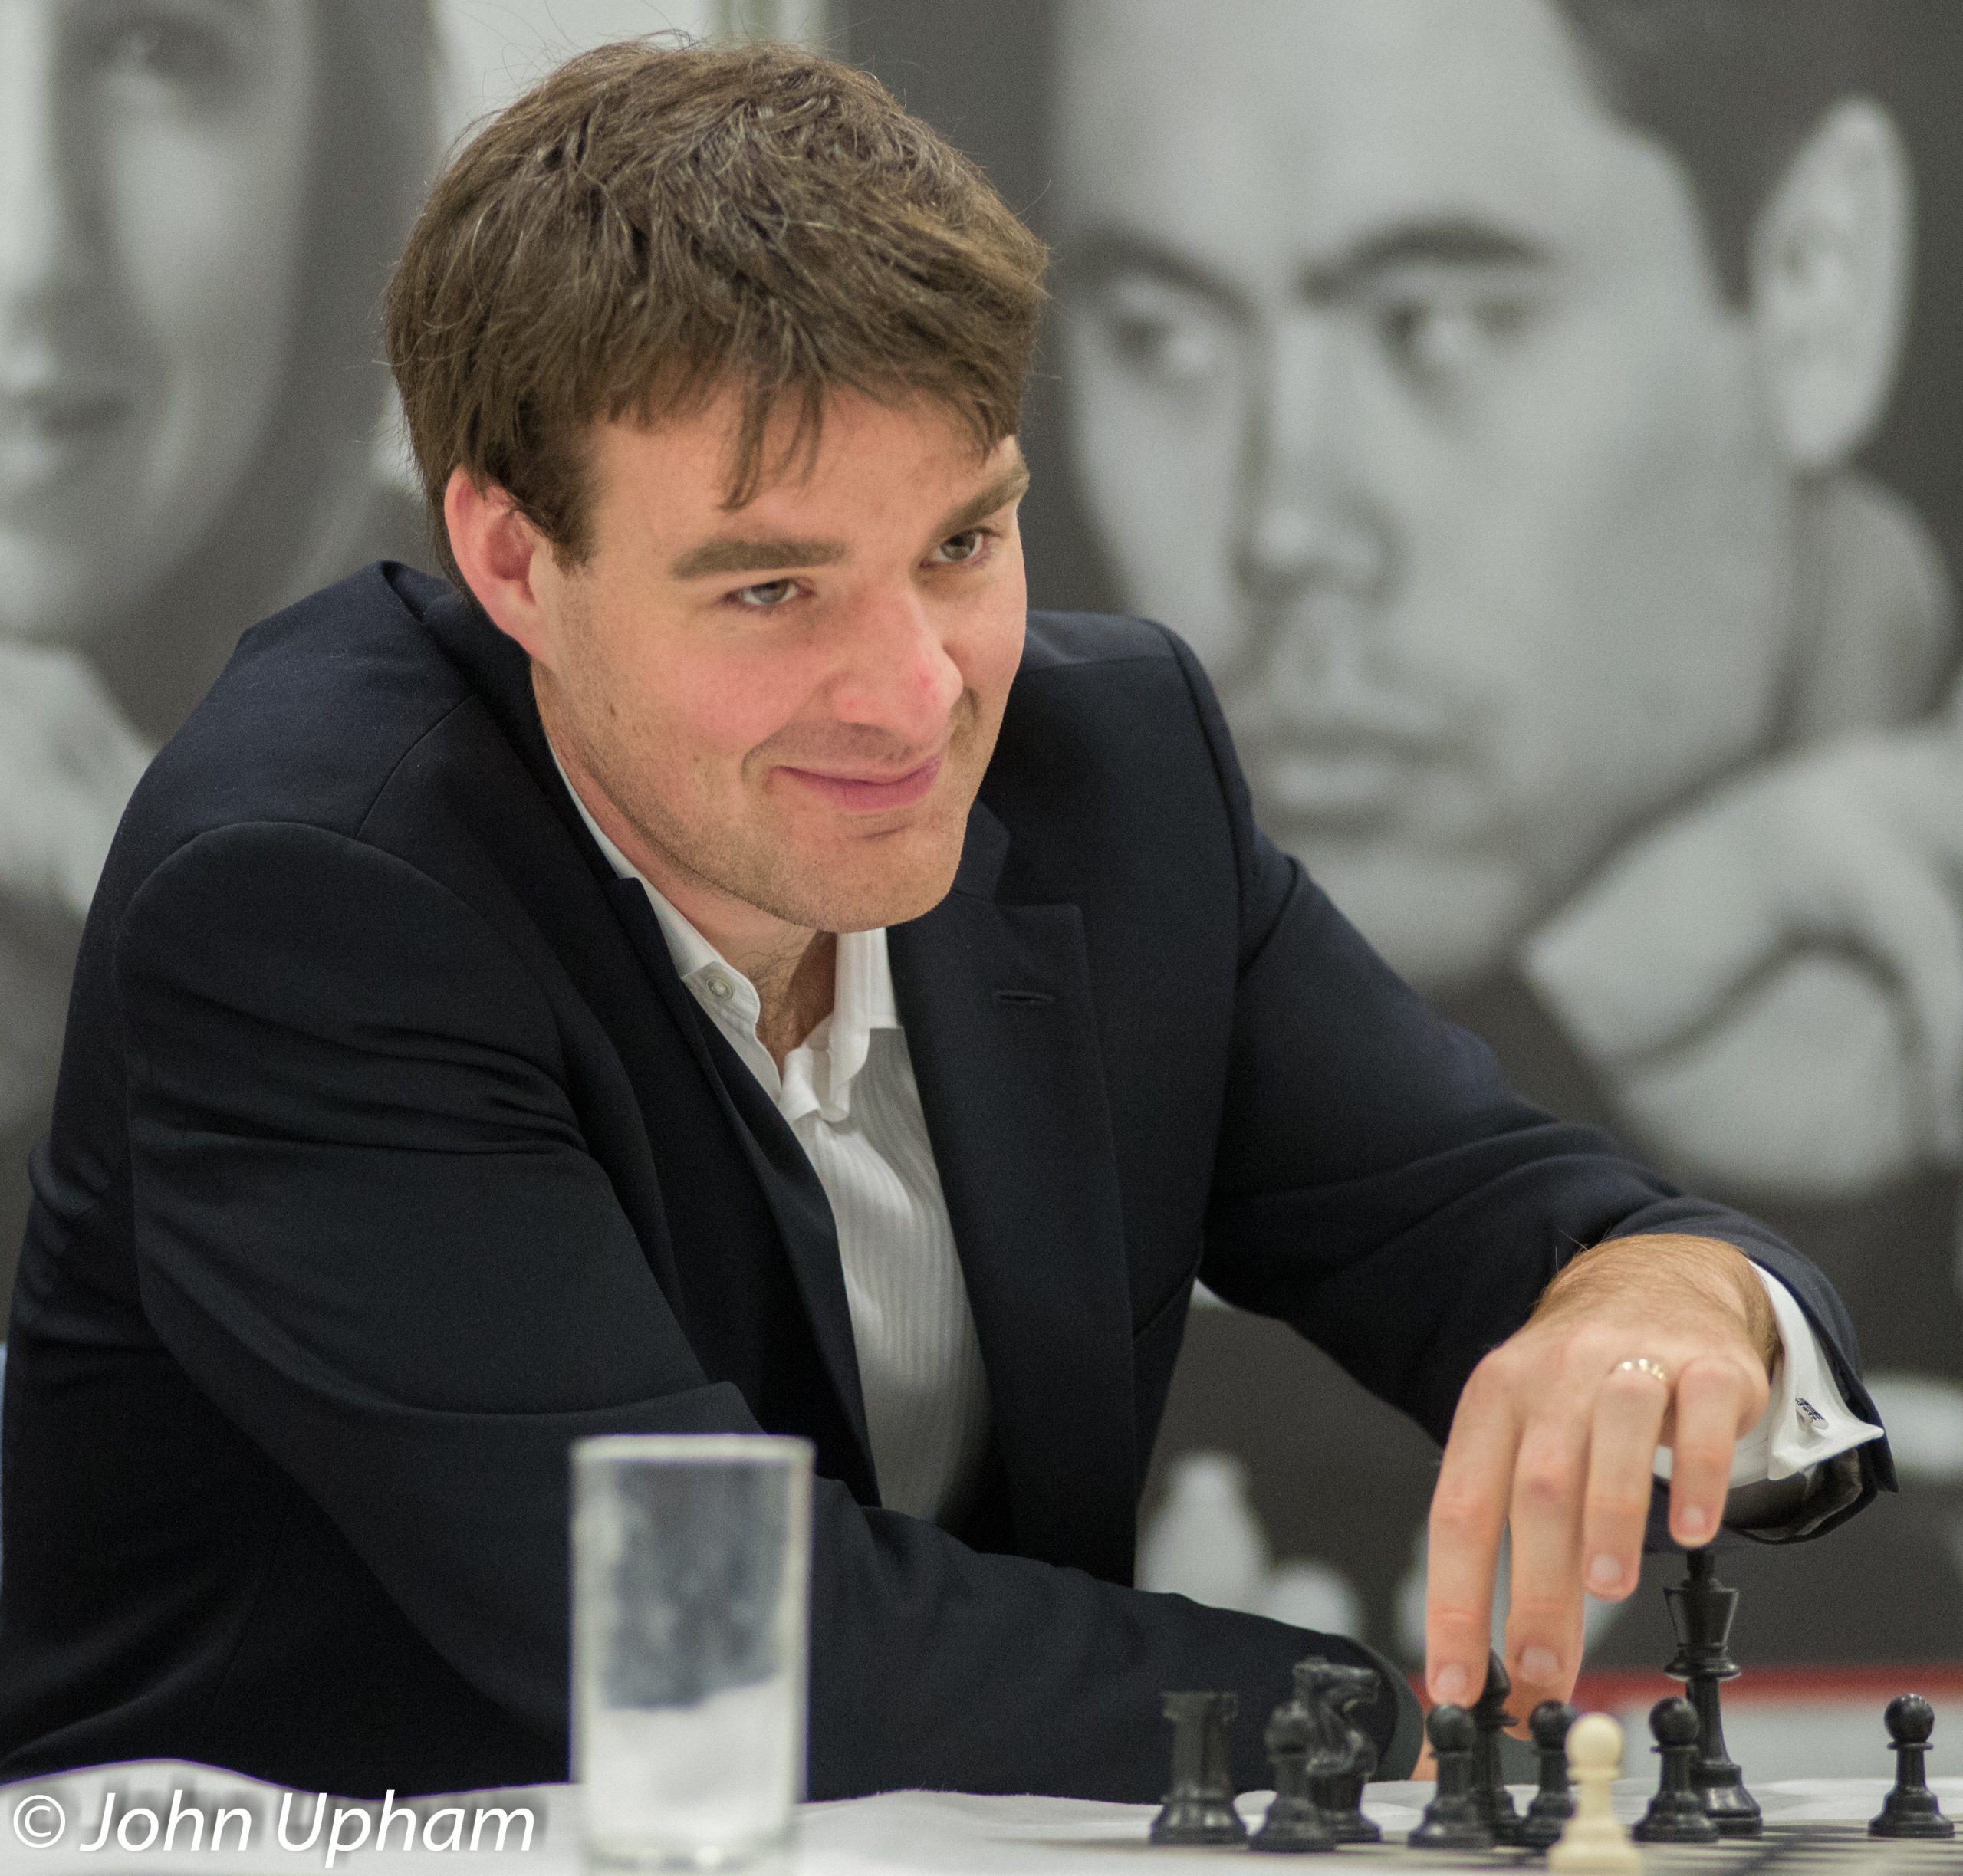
[1469,1514]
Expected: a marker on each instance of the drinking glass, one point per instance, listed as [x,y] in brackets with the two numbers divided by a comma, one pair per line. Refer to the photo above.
[690,1572]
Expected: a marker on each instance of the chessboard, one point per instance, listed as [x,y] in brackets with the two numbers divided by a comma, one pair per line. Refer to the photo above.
[1845,1848]
[1814,1825]
[1700,1814]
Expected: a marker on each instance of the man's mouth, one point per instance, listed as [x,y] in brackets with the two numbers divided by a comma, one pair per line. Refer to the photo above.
[1340,774]
[48,428]
[860,791]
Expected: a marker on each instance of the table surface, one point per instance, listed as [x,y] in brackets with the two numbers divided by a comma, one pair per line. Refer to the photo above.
[922,1833]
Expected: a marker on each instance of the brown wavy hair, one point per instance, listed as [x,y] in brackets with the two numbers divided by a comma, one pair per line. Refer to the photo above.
[659,221]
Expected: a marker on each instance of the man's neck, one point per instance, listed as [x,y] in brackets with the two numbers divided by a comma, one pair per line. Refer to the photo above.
[794,969]
[796,996]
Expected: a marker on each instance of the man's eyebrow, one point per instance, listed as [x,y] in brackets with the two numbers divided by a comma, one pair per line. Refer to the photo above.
[1439,241]
[773,553]
[762,555]
[1105,250]
[1444,241]
[1010,486]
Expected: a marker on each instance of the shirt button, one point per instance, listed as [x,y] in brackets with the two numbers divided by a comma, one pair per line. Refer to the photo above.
[720,986]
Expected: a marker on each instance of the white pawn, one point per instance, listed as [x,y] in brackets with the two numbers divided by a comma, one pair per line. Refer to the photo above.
[1595,1842]
[1207,1542]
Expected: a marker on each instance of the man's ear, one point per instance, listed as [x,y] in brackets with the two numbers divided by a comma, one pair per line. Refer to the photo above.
[502,556]
[1832,259]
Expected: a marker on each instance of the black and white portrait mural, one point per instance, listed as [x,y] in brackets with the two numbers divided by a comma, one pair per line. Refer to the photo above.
[197,205]
[1540,416]
[200,202]
[1544,417]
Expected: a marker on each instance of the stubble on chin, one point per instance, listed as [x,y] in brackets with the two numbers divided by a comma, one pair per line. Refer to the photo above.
[863,880]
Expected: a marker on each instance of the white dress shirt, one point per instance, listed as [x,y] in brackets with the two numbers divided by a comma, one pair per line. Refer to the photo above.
[849,1092]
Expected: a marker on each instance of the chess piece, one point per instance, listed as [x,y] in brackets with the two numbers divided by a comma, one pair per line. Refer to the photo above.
[1199,1807]
[1910,1809]
[1453,1820]
[1491,1719]
[1295,1744]
[1205,1541]
[1676,1813]
[1553,1803]
[1700,1611]
[1333,1691]
[1594,1843]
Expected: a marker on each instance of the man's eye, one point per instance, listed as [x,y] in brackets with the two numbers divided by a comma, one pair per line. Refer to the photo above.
[767,596]
[1441,340]
[158,45]
[963,549]
[1166,334]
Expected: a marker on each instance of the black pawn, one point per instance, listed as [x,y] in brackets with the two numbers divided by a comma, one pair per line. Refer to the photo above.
[1553,1803]
[1910,1809]
[1676,1813]
[1491,1720]
[1453,1819]
[1700,1611]
[1199,1807]
[1294,1820]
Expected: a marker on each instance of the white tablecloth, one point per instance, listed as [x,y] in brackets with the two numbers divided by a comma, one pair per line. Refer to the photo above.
[919,1833]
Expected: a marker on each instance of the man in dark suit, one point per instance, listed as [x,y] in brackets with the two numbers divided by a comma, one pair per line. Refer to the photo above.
[726,968]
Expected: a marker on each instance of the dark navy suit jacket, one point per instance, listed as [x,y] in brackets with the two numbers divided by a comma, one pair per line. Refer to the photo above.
[391,1155]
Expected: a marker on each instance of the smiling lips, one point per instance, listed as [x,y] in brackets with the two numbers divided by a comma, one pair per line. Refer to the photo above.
[870,794]
[48,431]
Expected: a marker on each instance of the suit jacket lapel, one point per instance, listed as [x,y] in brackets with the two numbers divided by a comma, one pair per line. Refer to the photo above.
[792,1188]
[997,1005]
[502,675]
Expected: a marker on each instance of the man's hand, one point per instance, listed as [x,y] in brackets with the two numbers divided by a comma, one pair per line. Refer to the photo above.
[1556,1434]
[1790,947]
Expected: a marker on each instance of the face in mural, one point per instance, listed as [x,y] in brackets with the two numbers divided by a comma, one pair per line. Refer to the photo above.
[153,169]
[1401,384]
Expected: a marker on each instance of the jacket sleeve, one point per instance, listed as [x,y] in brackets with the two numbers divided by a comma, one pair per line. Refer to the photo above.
[1379,1187]
[369,1230]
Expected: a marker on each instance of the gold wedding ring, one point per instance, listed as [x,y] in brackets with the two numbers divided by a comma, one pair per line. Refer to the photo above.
[1642,1365]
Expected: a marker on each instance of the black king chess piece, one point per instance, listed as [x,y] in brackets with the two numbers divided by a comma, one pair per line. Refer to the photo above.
[1910,1809]
[1296,1748]
[1676,1813]
[1199,1807]
[1553,1803]
[1453,1820]
[1491,1718]
[1700,1611]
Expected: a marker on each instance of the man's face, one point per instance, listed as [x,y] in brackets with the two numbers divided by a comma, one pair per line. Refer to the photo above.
[790,704]
[1402,384]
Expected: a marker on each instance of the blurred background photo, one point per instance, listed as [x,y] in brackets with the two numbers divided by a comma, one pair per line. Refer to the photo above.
[1536,413]
[200,204]
[1539,414]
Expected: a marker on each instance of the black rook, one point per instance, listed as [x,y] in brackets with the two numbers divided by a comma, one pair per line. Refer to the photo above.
[1199,1807]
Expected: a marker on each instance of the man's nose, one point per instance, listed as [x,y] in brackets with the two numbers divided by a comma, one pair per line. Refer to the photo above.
[43,168]
[899,675]
[1309,533]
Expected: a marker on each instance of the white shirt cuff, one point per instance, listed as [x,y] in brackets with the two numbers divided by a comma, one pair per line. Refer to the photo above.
[1808,1421]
